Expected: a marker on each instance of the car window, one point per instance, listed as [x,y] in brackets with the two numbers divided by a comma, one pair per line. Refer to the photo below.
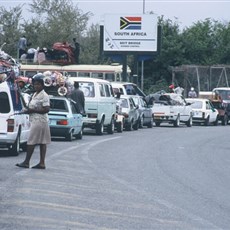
[58,105]
[107,90]
[196,104]
[101,89]
[124,103]
[111,90]
[87,88]
[208,106]
[4,102]
[131,102]
[74,108]
[135,99]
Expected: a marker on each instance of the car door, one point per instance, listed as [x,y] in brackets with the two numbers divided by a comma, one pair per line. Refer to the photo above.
[213,112]
[133,110]
[76,118]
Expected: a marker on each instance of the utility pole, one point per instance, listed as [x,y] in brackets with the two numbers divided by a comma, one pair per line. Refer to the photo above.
[142,62]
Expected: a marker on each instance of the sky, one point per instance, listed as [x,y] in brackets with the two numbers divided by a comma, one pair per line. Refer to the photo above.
[184,12]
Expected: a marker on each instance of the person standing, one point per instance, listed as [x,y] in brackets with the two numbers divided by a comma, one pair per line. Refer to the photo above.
[78,96]
[192,93]
[22,45]
[38,109]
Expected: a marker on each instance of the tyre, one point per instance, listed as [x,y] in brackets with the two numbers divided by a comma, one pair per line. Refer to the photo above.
[79,135]
[157,123]
[100,128]
[111,127]
[129,126]
[141,122]
[176,123]
[24,147]
[15,147]
[206,122]
[224,120]
[136,125]
[150,124]
[189,122]
[69,137]
[120,127]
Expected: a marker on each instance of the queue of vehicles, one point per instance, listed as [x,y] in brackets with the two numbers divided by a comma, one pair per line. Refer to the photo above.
[104,111]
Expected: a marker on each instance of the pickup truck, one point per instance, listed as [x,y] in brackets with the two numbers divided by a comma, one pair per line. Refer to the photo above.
[173,109]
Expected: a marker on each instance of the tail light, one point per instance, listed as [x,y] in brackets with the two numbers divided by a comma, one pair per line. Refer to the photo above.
[62,122]
[10,125]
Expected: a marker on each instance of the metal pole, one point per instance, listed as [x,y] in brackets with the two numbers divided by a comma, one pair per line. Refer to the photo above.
[142,62]
[143,6]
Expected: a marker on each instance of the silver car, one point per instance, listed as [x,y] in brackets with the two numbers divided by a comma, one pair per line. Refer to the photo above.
[145,112]
[130,112]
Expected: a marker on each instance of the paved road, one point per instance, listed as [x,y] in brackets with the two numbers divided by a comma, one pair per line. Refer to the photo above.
[159,178]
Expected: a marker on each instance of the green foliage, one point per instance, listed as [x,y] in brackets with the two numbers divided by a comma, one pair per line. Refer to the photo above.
[10,21]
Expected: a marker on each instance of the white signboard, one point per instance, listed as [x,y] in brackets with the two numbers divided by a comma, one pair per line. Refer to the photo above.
[130,33]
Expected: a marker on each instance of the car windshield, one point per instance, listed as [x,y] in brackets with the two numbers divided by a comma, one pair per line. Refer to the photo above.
[196,104]
[87,88]
[58,105]
[134,90]
[224,94]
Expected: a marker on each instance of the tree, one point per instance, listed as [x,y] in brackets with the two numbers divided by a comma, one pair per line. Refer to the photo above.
[90,45]
[10,21]
[56,21]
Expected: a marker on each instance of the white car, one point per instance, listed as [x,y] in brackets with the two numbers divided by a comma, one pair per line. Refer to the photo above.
[203,111]
[100,104]
[130,112]
[172,108]
[14,125]
[127,88]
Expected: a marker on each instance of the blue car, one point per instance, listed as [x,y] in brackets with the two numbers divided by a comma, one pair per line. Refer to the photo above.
[64,120]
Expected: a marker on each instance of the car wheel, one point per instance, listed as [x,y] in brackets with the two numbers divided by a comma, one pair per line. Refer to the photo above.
[176,123]
[206,122]
[141,122]
[136,125]
[189,122]
[224,120]
[24,147]
[129,126]
[150,124]
[120,127]
[100,128]
[216,121]
[79,135]
[157,123]
[111,127]
[15,147]
[69,137]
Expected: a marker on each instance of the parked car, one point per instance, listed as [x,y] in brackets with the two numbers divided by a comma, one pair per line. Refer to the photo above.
[127,88]
[14,125]
[172,108]
[64,120]
[119,117]
[203,111]
[100,104]
[130,112]
[145,112]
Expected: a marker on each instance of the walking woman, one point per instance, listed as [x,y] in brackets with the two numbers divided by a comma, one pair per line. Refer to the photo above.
[38,109]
